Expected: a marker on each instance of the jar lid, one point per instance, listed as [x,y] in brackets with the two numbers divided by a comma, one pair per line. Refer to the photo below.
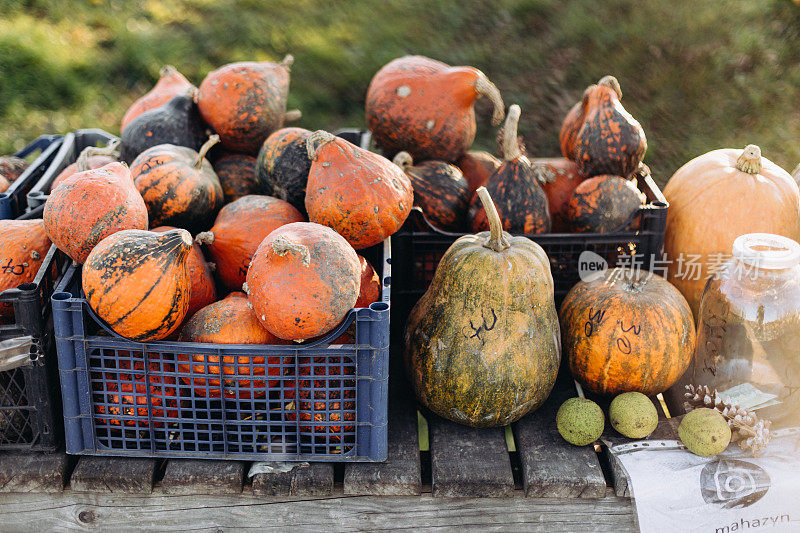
[765,250]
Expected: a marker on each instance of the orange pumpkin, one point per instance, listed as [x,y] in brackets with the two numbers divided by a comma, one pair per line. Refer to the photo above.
[426,108]
[237,175]
[283,165]
[138,282]
[603,203]
[204,290]
[4,184]
[627,330]
[573,122]
[477,167]
[558,177]
[23,246]
[89,206]
[303,280]
[363,196]
[713,199]
[238,231]
[91,162]
[245,102]
[228,321]
[171,83]
[178,185]
[370,291]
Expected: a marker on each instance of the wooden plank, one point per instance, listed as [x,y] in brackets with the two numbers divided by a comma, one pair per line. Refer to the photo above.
[35,472]
[552,467]
[469,462]
[109,512]
[304,479]
[113,474]
[185,476]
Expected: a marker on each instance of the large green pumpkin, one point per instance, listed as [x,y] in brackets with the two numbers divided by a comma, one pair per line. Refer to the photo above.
[482,345]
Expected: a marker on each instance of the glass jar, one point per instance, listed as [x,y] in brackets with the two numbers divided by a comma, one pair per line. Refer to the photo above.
[748,330]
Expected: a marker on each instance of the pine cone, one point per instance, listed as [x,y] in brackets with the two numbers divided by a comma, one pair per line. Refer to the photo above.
[747,430]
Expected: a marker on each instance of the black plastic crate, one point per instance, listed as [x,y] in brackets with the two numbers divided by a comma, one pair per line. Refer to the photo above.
[71,147]
[30,402]
[12,201]
[418,247]
[320,401]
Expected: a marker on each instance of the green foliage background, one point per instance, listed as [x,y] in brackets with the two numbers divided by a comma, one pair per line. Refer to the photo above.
[698,74]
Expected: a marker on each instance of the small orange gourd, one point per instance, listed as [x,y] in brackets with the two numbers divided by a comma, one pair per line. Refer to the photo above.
[558,177]
[170,83]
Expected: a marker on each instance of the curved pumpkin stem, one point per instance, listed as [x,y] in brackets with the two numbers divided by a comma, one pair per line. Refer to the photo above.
[497,239]
[315,141]
[403,160]
[292,115]
[282,246]
[167,70]
[750,160]
[214,139]
[488,89]
[82,163]
[287,61]
[205,237]
[510,146]
[613,83]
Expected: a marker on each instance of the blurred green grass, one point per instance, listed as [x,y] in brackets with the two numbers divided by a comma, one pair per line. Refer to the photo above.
[698,75]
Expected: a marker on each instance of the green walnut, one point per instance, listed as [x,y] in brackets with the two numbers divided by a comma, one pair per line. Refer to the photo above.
[633,415]
[580,421]
[705,432]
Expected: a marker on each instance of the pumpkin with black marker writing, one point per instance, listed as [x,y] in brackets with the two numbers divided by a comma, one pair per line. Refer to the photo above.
[627,330]
[440,190]
[559,177]
[514,188]
[482,345]
[23,246]
[283,166]
[170,83]
[138,282]
[603,203]
[477,167]
[237,175]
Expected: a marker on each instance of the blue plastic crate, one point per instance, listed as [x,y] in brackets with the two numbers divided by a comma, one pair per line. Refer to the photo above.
[320,401]
[12,201]
[68,152]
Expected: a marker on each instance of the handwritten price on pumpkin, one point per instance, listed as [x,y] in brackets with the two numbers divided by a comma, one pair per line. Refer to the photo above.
[623,342]
[10,268]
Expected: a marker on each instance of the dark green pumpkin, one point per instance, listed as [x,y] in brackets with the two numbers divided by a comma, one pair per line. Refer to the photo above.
[482,345]
[603,203]
[283,165]
[440,190]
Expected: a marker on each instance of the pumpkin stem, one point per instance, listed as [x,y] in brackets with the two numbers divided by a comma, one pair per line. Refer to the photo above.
[497,239]
[246,290]
[403,160]
[292,115]
[510,145]
[287,61]
[488,89]
[282,246]
[750,160]
[214,139]
[315,141]
[110,150]
[543,173]
[612,82]
[167,70]
[205,237]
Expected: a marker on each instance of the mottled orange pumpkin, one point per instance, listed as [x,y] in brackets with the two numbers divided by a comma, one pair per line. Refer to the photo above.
[237,175]
[170,83]
[238,231]
[90,158]
[283,165]
[477,166]
[627,330]
[138,282]
[603,203]
[178,185]
[559,177]
[89,206]
[303,280]
[361,195]
[370,291]
[426,108]
[23,246]
[245,102]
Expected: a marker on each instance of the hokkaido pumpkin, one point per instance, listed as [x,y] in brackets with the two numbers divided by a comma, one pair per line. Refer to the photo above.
[558,177]
[440,190]
[627,330]
[90,158]
[178,185]
[603,203]
[361,195]
[245,102]
[177,122]
[283,166]
[204,290]
[89,206]
[238,231]
[370,291]
[237,175]
[171,83]
[426,108]
[228,321]
[477,167]
[138,282]
[303,280]
[12,167]
[23,246]
[482,344]
[514,188]
[713,199]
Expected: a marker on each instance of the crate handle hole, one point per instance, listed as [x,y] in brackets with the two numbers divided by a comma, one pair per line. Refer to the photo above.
[379,306]
[35,193]
[61,296]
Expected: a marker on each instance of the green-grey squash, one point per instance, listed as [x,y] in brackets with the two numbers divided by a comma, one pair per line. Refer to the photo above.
[482,345]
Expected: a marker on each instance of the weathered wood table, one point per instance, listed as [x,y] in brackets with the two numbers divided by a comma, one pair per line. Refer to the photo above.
[469,480]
